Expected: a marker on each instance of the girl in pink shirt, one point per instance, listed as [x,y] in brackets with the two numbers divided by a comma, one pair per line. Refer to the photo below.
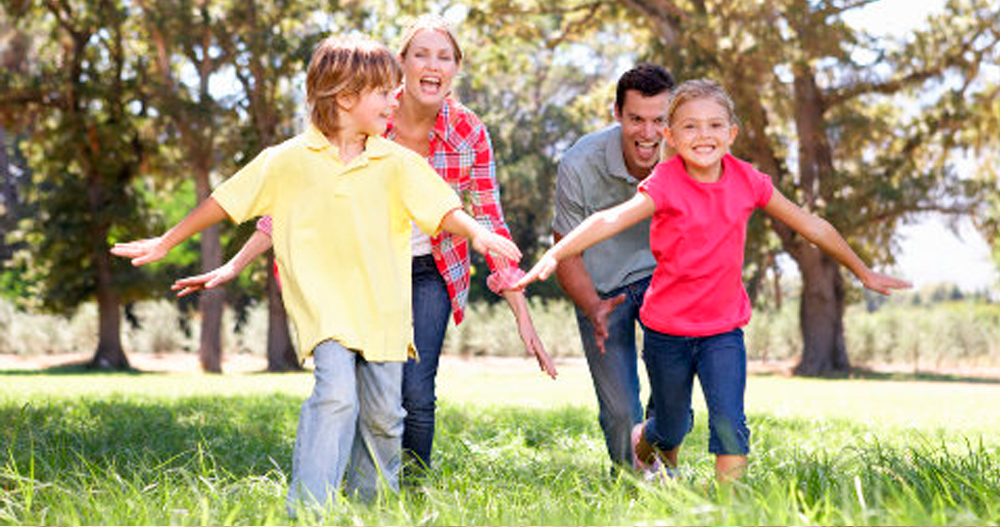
[700,201]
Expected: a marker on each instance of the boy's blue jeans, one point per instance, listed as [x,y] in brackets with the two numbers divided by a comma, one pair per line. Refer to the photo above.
[720,363]
[615,373]
[351,426]
[431,309]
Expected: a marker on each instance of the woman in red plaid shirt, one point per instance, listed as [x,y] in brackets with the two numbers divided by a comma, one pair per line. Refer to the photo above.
[457,144]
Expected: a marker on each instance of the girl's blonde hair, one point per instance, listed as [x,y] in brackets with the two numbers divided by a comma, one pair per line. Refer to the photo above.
[430,22]
[346,66]
[700,89]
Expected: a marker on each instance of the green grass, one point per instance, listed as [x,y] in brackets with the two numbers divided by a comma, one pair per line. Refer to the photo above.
[511,449]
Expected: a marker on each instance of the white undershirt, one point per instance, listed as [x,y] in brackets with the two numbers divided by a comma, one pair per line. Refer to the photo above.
[419,242]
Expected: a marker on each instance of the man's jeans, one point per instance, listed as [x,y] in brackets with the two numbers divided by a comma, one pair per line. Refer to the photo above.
[353,423]
[431,309]
[615,374]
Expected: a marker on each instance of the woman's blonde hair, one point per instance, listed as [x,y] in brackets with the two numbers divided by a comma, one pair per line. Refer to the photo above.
[346,66]
[430,22]
[700,89]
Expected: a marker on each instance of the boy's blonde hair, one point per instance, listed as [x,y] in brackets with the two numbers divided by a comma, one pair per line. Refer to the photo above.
[430,22]
[700,89]
[346,66]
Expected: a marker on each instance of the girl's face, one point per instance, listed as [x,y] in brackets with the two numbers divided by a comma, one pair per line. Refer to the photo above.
[429,67]
[701,132]
[368,112]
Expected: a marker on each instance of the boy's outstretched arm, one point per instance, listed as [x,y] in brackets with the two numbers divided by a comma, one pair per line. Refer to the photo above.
[593,230]
[483,241]
[142,252]
[826,237]
[258,244]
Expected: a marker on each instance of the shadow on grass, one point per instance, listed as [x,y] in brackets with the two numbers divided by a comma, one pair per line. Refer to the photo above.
[239,436]
[876,375]
[866,374]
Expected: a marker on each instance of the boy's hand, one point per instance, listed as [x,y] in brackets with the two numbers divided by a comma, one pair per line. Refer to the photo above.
[486,241]
[141,252]
[209,280]
[884,284]
[541,271]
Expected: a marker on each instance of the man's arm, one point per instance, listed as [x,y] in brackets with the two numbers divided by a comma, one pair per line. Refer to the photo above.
[576,282]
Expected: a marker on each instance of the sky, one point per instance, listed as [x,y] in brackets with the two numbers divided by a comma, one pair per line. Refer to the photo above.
[929,251]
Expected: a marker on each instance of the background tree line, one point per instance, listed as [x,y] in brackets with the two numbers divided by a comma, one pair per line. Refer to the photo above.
[117,116]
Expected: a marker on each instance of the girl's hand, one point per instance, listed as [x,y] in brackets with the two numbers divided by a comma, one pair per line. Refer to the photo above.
[486,241]
[541,271]
[533,346]
[884,284]
[141,252]
[209,280]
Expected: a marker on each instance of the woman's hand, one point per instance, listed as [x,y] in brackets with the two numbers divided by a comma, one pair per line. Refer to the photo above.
[533,346]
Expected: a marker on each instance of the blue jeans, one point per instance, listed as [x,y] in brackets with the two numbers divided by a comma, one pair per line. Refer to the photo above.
[615,374]
[720,361]
[431,309]
[352,423]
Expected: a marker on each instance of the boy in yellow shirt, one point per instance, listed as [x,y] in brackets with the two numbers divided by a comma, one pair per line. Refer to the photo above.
[341,200]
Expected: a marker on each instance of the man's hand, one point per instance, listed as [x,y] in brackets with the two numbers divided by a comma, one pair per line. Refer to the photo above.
[598,316]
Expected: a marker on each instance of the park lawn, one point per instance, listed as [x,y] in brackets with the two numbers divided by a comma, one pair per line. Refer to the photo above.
[513,448]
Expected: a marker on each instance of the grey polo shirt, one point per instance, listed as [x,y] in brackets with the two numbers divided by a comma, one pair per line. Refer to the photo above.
[592,177]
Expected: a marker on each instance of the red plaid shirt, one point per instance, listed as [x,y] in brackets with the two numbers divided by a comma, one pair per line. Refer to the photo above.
[460,151]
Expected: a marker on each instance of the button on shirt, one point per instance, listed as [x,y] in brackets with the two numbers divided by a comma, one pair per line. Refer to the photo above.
[341,235]
[592,177]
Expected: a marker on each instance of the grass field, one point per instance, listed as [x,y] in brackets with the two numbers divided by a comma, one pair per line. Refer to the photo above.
[512,448]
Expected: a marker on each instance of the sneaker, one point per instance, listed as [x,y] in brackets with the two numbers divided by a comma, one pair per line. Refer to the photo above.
[638,464]
[659,473]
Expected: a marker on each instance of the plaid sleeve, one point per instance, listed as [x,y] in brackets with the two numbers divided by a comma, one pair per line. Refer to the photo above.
[485,202]
[264,225]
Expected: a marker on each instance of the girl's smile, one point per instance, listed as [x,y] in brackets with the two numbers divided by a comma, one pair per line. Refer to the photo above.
[701,133]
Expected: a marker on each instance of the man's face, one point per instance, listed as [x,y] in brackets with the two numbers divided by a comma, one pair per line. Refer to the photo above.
[643,120]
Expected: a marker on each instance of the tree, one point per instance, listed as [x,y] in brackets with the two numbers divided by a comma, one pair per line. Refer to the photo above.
[85,149]
[820,108]
[184,33]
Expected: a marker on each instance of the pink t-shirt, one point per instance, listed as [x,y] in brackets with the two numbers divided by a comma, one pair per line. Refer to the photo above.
[697,236]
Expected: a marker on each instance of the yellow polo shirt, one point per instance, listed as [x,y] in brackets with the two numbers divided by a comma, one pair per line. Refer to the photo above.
[341,235]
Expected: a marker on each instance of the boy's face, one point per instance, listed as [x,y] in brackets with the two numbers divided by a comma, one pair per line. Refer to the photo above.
[642,119]
[702,133]
[370,111]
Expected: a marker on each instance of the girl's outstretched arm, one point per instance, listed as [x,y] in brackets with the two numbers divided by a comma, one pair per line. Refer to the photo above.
[593,230]
[149,250]
[826,237]
[258,244]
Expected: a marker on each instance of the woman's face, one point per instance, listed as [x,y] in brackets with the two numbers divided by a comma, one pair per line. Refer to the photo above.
[429,67]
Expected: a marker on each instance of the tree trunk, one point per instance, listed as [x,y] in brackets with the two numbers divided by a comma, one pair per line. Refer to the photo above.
[211,302]
[281,354]
[821,316]
[109,354]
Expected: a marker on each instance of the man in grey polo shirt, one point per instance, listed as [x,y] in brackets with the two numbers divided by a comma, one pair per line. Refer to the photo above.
[607,282]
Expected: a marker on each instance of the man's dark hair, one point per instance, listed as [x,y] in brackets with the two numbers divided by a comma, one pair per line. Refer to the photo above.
[648,79]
